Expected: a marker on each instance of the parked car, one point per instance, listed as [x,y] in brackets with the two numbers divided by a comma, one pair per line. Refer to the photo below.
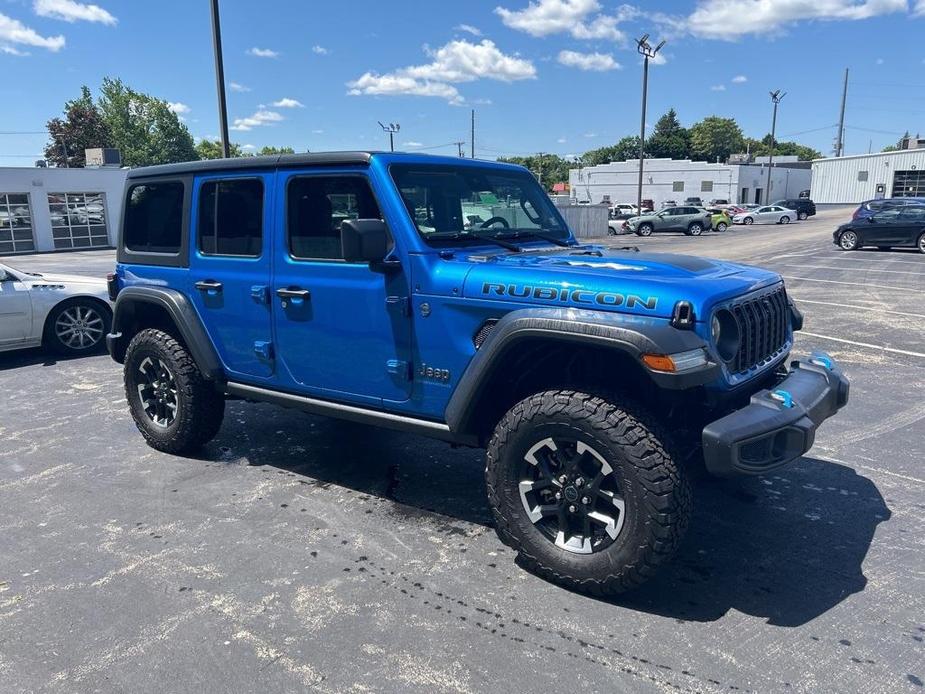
[234,281]
[719,219]
[894,227]
[666,203]
[716,202]
[804,194]
[623,208]
[617,224]
[696,202]
[872,207]
[647,204]
[693,221]
[769,214]
[803,206]
[68,314]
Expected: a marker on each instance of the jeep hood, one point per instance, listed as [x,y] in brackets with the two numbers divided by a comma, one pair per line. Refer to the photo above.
[619,280]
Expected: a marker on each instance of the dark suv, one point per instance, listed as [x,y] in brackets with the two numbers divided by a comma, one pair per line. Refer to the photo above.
[448,297]
[869,208]
[804,206]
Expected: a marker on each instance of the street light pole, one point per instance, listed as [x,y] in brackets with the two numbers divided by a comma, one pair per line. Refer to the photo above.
[776,97]
[220,79]
[642,45]
[391,129]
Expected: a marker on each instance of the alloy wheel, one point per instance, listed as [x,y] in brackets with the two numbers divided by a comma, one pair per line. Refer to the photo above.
[571,495]
[848,240]
[157,391]
[922,243]
[79,327]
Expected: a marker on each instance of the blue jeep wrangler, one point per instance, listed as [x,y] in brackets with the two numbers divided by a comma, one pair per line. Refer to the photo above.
[447,297]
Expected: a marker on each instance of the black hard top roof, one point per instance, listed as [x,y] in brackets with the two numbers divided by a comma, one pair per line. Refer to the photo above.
[248,163]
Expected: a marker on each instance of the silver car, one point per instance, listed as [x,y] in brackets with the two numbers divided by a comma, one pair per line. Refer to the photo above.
[769,214]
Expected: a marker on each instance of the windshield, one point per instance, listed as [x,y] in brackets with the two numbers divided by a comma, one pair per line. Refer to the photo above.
[469,203]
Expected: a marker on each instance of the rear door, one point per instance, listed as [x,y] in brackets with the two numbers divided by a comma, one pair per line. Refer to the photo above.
[912,222]
[229,271]
[885,228]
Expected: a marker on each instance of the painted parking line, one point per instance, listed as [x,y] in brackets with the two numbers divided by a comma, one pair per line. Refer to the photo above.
[855,306]
[868,269]
[908,478]
[866,285]
[879,348]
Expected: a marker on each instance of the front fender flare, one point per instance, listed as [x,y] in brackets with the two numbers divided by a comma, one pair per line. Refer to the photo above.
[632,335]
[183,316]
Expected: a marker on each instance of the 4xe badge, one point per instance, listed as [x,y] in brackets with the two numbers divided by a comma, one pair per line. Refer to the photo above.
[431,374]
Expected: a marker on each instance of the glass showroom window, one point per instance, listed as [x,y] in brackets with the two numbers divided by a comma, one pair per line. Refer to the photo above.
[78,220]
[15,224]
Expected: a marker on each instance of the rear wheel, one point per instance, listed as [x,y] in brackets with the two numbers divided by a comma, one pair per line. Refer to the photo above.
[584,490]
[695,229]
[921,243]
[802,215]
[77,326]
[722,226]
[848,241]
[748,220]
[645,229]
[785,220]
[174,407]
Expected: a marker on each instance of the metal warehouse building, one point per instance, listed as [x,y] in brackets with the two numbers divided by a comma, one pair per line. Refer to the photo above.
[862,177]
[45,209]
[677,179]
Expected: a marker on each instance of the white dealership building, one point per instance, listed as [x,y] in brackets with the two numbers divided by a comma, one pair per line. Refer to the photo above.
[51,209]
[678,179]
[860,177]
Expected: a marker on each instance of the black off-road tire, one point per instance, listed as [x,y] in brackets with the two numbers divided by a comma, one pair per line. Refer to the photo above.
[656,492]
[200,407]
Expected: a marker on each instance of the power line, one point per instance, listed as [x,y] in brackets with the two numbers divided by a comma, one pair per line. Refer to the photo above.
[872,130]
[813,130]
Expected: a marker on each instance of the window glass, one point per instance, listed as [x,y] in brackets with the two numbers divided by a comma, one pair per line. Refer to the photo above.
[888,215]
[153,217]
[706,186]
[914,215]
[677,187]
[15,223]
[464,202]
[231,217]
[862,175]
[316,207]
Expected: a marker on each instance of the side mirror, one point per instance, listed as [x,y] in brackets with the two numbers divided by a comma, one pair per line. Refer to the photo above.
[871,220]
[364,240]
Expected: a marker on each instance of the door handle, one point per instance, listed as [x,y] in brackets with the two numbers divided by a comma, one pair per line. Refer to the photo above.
[210,286]
[295,294]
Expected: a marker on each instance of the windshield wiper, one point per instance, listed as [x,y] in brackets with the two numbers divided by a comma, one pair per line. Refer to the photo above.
[521,233]
[464,235]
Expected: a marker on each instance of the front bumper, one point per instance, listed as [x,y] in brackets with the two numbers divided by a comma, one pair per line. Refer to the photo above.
[779,425]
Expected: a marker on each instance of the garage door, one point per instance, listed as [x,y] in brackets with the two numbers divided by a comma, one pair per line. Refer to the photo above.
[909,184]
[78,220]
[15,224]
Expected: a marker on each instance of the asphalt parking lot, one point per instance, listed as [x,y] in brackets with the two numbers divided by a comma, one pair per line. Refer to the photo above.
[299,553]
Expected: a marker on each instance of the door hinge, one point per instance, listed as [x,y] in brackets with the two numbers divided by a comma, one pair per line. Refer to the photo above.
[263,349]
[402,304]
[260,293]
[399,368]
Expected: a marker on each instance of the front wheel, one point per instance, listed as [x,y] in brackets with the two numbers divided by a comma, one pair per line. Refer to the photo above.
[585,491]
[645,230]
[748,220]
[920,244]
[848,241]
[802,216]
[785,220]
[174,407]
[721,226]
[77,326]
[695,229]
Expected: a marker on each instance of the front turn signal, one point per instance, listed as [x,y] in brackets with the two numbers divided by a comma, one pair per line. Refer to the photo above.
[677,362]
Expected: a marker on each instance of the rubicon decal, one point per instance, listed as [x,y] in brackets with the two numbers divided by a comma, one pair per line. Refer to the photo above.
[569,296]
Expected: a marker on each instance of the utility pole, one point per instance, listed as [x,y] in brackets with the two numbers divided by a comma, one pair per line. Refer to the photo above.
[220,79]
[840,144]
[642,45]
[391,129]
[459,144]
[472,134]
[776,97]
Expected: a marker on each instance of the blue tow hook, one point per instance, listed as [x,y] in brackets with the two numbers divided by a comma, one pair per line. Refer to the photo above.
[823,360]
[783,397]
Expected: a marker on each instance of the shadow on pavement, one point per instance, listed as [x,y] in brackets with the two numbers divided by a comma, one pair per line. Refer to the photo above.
[786,548]
[35,356]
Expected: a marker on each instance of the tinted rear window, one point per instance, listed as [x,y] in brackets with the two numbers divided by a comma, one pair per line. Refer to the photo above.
[154,217]
[231,217]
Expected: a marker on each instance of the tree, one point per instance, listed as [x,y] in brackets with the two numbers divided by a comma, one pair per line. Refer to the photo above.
[669,139]
[715,138]
[762,147]
[898,146]
[143,127]
[549,168]
[627,148]
[83,127]
[212,149]
[276,150]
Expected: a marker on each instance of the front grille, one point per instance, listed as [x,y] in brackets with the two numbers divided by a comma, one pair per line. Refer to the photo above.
[763,322]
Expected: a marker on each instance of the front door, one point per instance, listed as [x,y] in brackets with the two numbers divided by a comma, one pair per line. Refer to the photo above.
[885,228]
[343,330]
[229,271]
[15,310]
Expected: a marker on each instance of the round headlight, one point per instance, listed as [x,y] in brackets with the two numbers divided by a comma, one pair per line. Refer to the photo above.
[725,331]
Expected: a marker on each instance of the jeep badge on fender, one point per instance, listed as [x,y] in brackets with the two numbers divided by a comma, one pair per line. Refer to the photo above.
[593,377]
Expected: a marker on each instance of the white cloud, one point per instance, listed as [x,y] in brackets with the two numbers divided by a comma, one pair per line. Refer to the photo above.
[475,31]
[561,140]
[731,19]
[71,11]
[317,132]
[235,87]
[919,9]
[248,146]
[659,59]
[9,50]
[739,79]
[456,62]
[261,117]
[718,88]
[598,62]
[178,107]
[286,102]
[262,52]
[320,50]
[879,61]
[579,18]
[412,143]
[13,31]
[590,135]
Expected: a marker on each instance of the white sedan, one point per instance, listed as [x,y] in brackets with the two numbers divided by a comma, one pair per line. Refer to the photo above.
[769,214]
[66,313]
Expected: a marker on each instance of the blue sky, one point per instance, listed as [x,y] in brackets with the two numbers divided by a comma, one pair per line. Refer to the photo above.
[543,75]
